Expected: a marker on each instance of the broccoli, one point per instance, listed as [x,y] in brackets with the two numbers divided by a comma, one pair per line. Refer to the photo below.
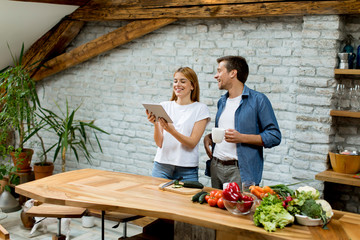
[313,210]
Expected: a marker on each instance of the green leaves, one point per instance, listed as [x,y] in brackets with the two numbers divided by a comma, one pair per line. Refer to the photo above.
[19,100]
[72,134]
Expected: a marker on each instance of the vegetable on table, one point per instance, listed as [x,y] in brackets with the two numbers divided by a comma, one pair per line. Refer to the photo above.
[282,190]
[196,197]
[314,210]
[188,184]
[314,192]
[216,199]
[232,192]
[202,197]
[294,206]
[271,214]
[261,192]
[325,206]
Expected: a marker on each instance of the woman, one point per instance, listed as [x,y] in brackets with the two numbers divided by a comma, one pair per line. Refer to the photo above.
[178,143]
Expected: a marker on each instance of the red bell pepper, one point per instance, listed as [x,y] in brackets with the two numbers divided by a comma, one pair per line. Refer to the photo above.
[234,187]
[231,196]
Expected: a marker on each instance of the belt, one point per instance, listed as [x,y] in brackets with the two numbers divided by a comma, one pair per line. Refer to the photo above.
[226,162]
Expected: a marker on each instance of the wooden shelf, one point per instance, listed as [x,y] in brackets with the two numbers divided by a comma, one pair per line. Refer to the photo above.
[347,71]
[339,113]
[335,177]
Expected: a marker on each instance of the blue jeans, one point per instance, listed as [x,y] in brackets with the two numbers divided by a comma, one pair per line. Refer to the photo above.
[173,172]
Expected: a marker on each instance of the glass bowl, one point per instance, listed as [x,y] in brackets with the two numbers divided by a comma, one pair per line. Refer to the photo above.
[240,207]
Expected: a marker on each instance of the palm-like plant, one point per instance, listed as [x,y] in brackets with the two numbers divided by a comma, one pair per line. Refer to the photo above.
[72,134]
[18,99]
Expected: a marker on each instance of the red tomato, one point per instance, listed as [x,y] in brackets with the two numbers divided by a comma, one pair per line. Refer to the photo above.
[246,198]
[207,197]
[219,194]
[245,206]
[213,192]
[220,203]
[212,202]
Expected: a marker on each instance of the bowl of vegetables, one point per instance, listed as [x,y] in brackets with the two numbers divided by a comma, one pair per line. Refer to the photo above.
[314,213]
[242,205]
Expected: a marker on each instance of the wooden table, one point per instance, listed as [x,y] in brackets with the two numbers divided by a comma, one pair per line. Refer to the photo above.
[136,194]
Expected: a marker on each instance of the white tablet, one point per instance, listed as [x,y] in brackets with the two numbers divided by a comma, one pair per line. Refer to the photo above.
[157,110]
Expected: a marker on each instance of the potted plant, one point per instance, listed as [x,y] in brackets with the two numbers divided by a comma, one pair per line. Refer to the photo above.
[18,103]
[71,134]
[43,168]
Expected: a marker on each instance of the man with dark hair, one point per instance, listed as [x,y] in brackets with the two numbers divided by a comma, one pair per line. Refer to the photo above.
[250,124]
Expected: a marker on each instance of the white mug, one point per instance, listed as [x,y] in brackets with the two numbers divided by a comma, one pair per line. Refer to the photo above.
[217,135]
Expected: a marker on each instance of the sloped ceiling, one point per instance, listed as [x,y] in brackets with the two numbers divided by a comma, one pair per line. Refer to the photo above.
[26,22]
[144,16]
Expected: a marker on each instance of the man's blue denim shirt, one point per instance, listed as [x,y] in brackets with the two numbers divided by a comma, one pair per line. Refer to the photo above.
[254,115]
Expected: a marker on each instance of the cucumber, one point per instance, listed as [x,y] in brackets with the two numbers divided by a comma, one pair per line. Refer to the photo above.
[202,197]
[196,197]
[192,184]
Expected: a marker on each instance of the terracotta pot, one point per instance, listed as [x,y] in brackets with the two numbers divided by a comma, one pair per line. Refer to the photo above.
[23,160]
[27,221]
[3,183]
[42,171]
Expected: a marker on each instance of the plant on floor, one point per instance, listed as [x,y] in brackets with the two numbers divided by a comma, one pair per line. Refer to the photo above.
[72,134]
[18,103]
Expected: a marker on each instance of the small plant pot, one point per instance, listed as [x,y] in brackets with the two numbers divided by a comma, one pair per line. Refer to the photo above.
[88,221]
[41,171]
[22,160]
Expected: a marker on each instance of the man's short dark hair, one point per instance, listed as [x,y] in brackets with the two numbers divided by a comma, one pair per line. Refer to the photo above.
[238,63]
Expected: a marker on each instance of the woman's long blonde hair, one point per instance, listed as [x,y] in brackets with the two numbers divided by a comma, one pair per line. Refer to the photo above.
[192,77]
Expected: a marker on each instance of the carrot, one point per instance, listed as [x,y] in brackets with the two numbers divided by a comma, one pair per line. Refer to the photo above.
[260,189]
[267,189]
[257,193]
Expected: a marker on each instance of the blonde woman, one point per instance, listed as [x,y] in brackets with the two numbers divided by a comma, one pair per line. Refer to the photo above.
[178,142]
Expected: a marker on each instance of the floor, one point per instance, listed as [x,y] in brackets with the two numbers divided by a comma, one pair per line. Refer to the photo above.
[12,223]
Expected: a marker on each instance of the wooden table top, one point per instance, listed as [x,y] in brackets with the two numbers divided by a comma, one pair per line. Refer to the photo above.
[140,195]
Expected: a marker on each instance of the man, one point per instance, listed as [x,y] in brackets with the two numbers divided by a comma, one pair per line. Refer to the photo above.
[250,124]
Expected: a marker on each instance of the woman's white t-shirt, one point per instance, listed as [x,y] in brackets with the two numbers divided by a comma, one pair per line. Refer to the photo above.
[184,117]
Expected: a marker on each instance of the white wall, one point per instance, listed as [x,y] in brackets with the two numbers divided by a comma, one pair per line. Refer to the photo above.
[291,60]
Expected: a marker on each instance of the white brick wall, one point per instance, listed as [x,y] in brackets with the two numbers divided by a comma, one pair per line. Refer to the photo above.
[291,60]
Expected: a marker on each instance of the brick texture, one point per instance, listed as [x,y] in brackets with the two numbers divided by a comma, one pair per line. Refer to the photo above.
[291,60]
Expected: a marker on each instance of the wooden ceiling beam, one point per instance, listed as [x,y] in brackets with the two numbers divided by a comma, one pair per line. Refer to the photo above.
[61,2]
[100,45]
[51,44]
[235,10]
[166,3]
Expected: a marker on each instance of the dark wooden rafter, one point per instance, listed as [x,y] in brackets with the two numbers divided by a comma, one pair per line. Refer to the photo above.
[115,11]
[102,44]
[166,3]
[51,44]
[62,2]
